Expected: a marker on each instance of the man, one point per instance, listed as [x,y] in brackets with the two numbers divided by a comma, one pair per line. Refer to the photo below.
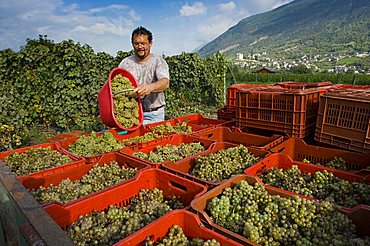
[151,73]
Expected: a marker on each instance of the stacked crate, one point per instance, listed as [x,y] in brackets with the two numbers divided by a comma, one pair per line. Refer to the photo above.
[344,118]
[284,110]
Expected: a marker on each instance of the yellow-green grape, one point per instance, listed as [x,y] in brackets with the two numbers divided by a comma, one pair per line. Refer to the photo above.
[98,178]
[223,164]
[109,226]
[126,107]
[176,236]
[321,185]
[34,160]
[171,152]
[94,144]
[250,211]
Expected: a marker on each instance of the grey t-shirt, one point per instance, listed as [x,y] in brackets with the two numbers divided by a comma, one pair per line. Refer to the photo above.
[146,73]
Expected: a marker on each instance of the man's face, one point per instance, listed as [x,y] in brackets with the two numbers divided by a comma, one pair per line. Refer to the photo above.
[141,46]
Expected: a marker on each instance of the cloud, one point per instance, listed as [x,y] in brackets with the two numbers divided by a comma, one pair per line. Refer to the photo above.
[197,8]
[94,26]
[227,7]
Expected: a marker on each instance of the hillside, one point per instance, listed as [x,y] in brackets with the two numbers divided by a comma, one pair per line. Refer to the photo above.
[302,27]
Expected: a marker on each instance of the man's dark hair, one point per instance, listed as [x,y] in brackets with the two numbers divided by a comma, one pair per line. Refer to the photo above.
[142,31]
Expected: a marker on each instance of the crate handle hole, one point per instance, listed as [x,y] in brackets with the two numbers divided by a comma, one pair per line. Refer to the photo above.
[178,186]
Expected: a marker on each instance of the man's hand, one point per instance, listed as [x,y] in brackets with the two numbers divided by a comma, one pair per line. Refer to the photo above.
[144,89]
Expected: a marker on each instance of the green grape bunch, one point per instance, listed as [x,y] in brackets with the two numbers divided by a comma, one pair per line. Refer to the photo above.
[98,178]
[34,160]
[171,152]
[109,226]
[126,107]
[176,236]
[250,211]
[223,164]
[93,144]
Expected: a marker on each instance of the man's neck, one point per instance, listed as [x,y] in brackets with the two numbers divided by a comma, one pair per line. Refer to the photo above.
[139,59]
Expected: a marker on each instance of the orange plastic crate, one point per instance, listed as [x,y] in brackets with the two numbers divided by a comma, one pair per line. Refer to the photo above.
[344,119]
[45,179]
[105,101]
[173,122]
[189,222]
[76,161]
[226,113]
[200,120]
[302,85]
[118,134]
[360,215]
[236,136]
[232,89]
[183,167]
[298,150]
[175,139]
[293,112]
[65,136]
[170,184]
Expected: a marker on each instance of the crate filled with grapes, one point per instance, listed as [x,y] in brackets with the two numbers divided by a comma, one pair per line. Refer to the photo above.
[327,184]
[253,214]
[111,215]
[175,148]
[219,163]
[40,160]
[79,183]
[179,227]
[299,150]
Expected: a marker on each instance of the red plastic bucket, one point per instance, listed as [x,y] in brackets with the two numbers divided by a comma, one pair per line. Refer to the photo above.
[105,101]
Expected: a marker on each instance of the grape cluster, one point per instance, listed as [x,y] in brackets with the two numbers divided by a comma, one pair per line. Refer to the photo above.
[126,107]
[34,160]
[160,131]
[93,144]
[321,185]
[223,164]
[108,227]
[176,236]
[249,210]
[336,163]
[171,152]
[98,178]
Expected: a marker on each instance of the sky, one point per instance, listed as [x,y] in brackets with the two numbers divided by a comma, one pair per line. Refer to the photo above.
[177,26]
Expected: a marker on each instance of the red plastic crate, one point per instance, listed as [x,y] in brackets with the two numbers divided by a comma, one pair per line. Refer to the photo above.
[183,167]
[344,119]
[236,136]
[360,215]
[293,112]
[175,139]
[226,113]
[200,120]
[119,135]
[189,222]
[298,150]
[302,85]
[173,122]
[232,89]
[47,178]
[76,161]
[65,136]
[170,184]
[105,101]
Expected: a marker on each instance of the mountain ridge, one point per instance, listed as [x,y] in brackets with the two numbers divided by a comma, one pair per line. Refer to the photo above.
[299,27]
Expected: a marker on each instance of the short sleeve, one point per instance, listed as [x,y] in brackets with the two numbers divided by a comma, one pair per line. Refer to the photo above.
[162,70]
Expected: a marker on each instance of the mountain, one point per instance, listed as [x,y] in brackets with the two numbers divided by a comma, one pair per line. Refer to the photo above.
[302,27]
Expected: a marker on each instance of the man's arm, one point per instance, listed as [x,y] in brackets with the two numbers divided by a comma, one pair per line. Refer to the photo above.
[158,86]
